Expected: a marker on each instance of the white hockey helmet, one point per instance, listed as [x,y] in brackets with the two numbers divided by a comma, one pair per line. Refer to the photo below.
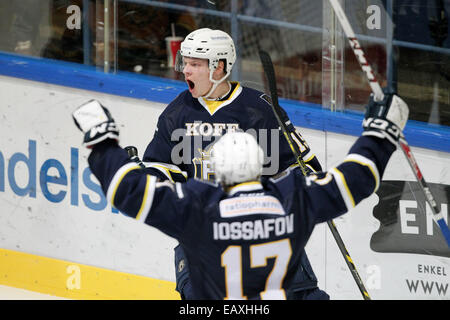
[237,157]
[213,45]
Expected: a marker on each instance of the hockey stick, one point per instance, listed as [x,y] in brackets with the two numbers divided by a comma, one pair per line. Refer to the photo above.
[378,95]
[133,155]
[270,74]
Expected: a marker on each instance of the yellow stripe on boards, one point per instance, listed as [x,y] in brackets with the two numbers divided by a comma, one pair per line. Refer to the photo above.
[77,281]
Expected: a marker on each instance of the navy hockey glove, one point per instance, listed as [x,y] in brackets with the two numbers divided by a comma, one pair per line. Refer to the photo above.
[95,121]
[386,118]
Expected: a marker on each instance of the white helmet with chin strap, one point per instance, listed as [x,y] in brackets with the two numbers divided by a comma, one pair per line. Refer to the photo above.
[214,45]
[236,157]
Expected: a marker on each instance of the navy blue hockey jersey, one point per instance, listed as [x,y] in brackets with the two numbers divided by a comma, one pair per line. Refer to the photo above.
[188,127]
[244,242]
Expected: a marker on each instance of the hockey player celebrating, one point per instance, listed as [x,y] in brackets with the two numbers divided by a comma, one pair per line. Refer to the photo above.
[243,236]
[211,106]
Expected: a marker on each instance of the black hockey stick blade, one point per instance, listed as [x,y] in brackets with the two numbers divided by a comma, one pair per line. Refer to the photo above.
[267,64]
[269,71]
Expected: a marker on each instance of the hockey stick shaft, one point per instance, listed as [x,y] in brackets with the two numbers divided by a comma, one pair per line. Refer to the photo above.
[133,155]
[356,47]
[270,73]
[378,96]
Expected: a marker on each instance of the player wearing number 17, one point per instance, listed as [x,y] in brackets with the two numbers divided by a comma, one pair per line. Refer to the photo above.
[198,116]
[243,237]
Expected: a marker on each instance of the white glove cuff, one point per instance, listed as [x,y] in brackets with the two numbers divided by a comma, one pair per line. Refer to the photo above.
[398,112]
[90,115]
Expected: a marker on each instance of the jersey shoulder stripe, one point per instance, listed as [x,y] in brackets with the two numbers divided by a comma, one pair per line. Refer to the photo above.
[169,170]
[343,188]
[365,162]
[117,179]
[148,199]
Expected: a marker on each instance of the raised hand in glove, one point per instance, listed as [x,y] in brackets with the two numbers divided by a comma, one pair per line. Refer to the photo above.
[386,118]
[95,121]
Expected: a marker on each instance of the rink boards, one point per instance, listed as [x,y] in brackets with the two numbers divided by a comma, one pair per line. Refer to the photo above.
[59,236]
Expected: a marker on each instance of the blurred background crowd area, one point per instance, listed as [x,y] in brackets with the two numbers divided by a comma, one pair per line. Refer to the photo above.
[406,41]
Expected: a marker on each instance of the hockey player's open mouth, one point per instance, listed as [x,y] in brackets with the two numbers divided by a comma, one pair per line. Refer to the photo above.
[190,84]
